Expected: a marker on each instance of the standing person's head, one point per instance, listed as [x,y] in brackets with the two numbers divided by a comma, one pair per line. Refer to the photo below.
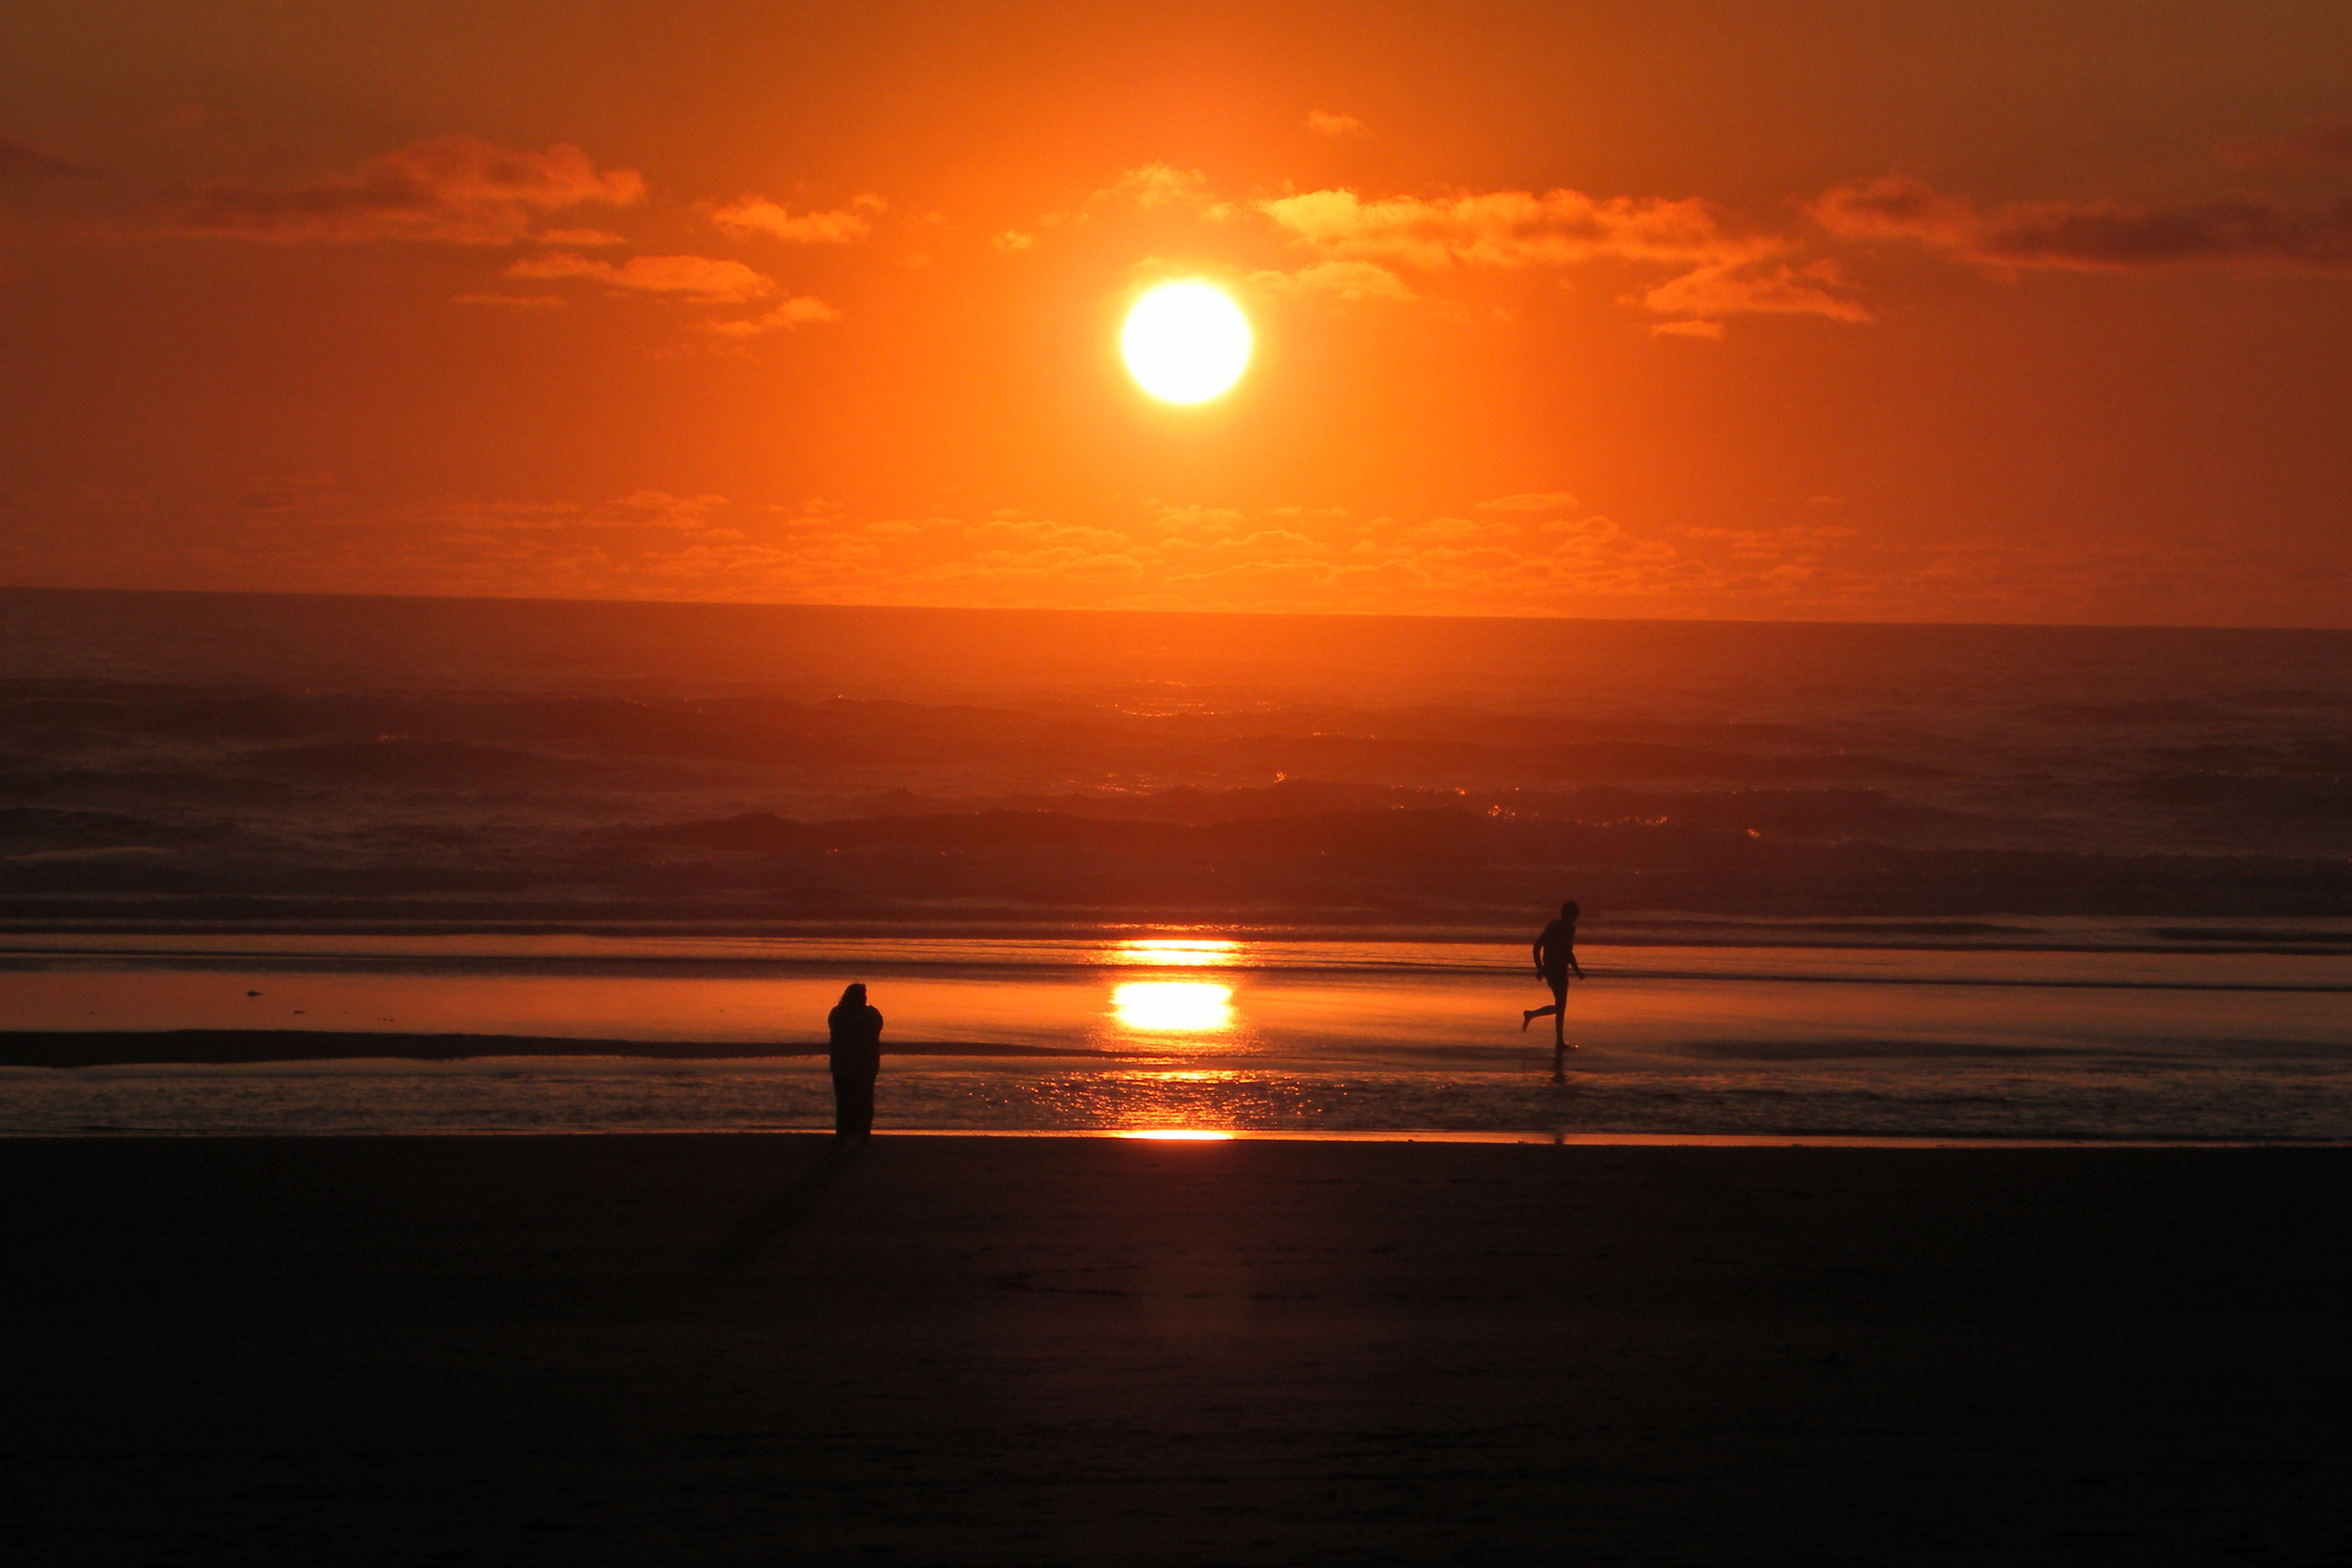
[1568,911]
[853,995]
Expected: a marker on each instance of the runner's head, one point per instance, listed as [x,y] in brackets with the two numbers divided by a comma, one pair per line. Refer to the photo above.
[853,995]
[1568,911]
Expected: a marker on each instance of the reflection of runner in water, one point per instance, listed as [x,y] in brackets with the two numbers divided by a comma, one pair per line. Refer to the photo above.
[1555,955]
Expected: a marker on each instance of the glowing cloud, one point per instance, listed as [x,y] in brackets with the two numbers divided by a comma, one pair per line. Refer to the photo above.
[1510,229]
[799,310]
[702,278]
[755,214]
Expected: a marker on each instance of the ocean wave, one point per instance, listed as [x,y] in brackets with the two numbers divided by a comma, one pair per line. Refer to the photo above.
[742,764]
[146,785]
[1828,814]
[30,829]
[398,760]
[2318,799]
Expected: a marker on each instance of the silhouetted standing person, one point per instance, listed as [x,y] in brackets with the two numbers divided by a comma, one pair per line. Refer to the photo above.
[857,1059]
[1555,955]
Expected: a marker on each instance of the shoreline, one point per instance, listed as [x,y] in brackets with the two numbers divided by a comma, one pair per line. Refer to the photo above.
[1962,1050]
[2324,936]
[79,1047]
[1916,1142]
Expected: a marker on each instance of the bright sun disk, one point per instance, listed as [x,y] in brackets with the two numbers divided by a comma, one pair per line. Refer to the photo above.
[1186,342]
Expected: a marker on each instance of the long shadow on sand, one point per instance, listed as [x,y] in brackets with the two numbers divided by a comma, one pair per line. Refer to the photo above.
[759,1232]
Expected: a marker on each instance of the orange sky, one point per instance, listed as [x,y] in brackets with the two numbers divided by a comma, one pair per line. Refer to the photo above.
[1966,311]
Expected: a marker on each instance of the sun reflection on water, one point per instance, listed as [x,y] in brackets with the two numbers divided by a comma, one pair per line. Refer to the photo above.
[1177,952]
[1176,1135]
[1178,1007]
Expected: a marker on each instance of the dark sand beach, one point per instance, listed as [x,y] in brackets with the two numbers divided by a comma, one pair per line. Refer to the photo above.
[724,1349]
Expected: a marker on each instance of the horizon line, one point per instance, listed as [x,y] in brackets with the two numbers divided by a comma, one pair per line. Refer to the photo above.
[1261,614]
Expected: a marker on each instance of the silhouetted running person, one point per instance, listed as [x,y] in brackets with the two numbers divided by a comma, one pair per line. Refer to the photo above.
[857,1059]
[1555,955]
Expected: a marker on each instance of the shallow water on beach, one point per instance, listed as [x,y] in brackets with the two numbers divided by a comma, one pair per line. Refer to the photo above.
[1206,1034]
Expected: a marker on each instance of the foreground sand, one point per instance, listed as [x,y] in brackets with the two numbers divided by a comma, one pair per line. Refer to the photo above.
[730,1349]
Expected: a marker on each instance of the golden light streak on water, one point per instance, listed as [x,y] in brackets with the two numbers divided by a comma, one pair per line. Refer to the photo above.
[1177,952]
[1172,1007]
[1177,1134]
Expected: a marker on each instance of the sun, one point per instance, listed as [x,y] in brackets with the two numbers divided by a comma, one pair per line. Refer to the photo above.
[1186,342]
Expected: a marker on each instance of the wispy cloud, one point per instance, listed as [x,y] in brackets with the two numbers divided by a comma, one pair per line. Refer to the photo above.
[290,493]
[1157,189]
[1774,543]
[799,310]
[1195,519]
[447,190]
[1530,500]
[1514,561]
[706,279]
[756,215]
[1531,554]
[656,509]
[2325,146]
[1719,271]
[1707,294]
[2242,230]
[1158,184]
[1894,207]
[20,162]
[1324,124]
[1510,229]
[1347,281]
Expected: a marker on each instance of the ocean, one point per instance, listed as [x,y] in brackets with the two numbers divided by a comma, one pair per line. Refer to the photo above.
[1146,872]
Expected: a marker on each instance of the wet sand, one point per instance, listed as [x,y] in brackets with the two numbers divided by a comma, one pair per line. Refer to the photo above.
[70,1048]
[735,1349]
